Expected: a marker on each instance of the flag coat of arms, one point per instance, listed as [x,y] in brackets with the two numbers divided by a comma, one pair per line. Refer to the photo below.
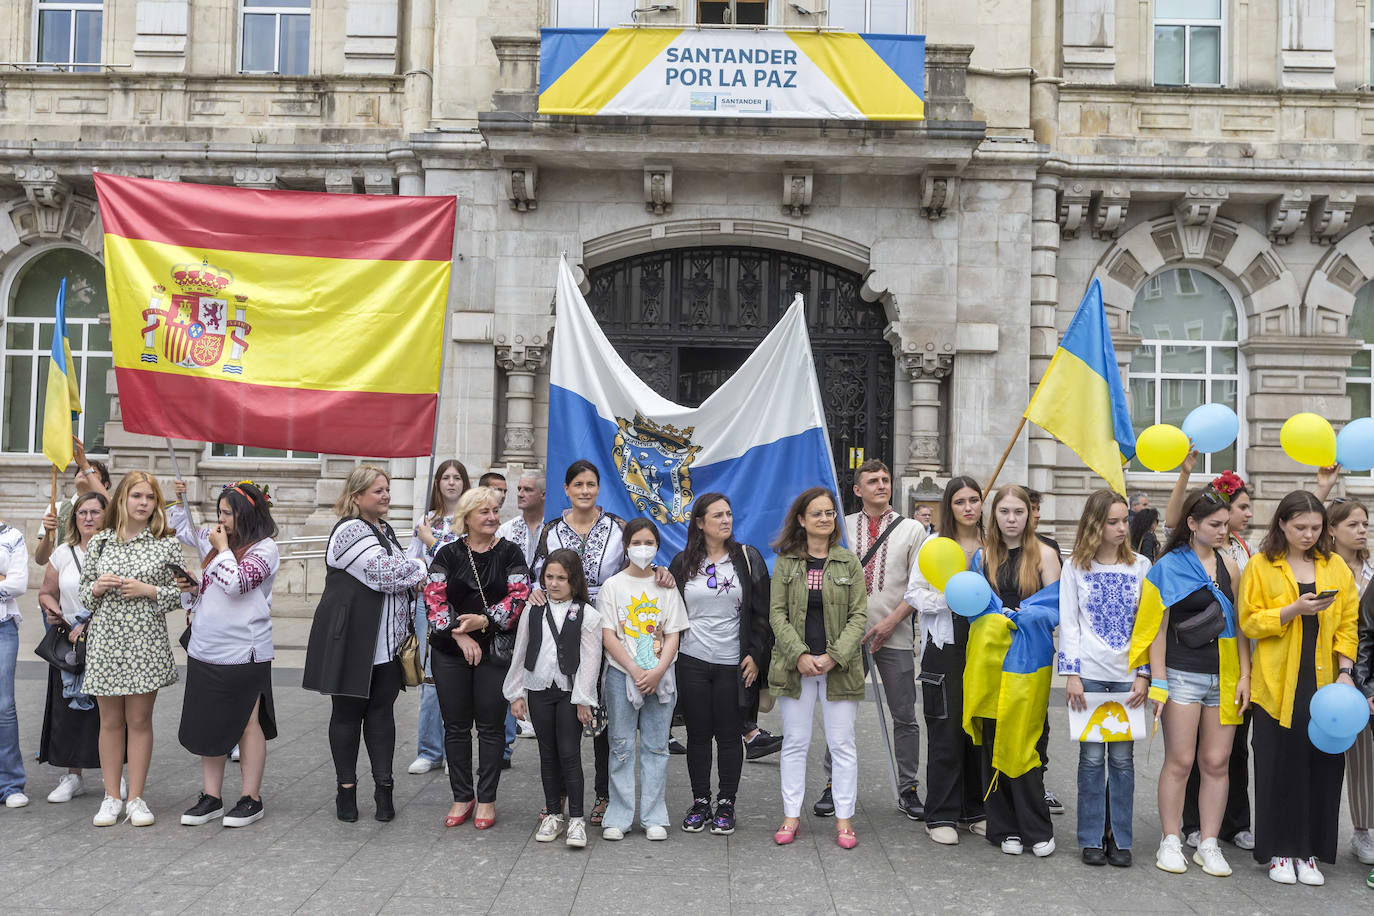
[760,438]
[277,319]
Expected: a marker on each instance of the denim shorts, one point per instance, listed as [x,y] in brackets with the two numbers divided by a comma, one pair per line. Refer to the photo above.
[1187,687]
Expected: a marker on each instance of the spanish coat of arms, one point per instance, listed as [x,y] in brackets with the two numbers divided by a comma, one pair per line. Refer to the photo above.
[196,321]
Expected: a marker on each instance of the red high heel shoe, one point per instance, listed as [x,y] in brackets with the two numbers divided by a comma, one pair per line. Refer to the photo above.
[484,823]
[453,820]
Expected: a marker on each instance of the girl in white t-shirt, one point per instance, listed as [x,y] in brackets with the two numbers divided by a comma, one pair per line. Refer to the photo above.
[1099,593]
[641,624]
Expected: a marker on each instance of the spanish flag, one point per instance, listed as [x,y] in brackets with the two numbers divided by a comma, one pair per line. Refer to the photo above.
[1080,400]
[1007,674]
[63,400]
[277,319]
[1175,576]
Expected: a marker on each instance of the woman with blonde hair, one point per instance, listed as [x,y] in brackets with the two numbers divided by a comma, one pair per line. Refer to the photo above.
[128,586]
[475,593]
[361,621]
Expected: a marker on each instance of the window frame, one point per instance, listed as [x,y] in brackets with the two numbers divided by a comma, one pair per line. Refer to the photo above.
[1208,377]
[36,352]
[277,12]
[71,7]
[556,5]
[1365,380]
[1188,25]
[868,19]
[290,455]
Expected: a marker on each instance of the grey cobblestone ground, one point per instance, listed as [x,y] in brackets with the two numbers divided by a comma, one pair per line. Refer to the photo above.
[299,859]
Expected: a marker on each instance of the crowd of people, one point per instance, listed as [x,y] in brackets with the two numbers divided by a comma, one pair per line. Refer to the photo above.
[570,628]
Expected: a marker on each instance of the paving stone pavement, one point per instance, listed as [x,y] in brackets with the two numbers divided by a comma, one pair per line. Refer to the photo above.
[299,859]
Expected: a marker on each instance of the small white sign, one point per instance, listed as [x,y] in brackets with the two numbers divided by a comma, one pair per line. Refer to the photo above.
[1107,719]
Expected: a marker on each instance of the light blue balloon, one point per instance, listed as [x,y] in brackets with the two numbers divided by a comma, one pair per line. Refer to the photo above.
[1355,445]
[967,593]
[1211,427]
[1340,710]
[1329,744]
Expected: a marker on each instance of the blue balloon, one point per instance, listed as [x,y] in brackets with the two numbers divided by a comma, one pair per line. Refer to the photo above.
[967,593]
[1329,744]
[1340,710]
[1211,427]
[1355,445]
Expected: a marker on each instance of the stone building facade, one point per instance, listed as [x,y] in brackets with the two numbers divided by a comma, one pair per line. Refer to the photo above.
[1208,169]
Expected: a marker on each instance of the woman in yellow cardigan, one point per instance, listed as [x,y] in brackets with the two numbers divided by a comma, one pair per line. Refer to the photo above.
[1300,605]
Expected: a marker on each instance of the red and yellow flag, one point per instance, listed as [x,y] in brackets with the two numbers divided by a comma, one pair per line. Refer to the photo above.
[277,319]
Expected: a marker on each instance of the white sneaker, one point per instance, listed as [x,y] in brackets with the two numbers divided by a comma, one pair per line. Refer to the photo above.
[1308,873]
[1193,838]
[68,787]
[945,836]
[549,828]
[577,832]
[1170,856]
[525,728]
[1281,870]
[16,800]
[612,833]
[109,812]
[1362,844]
[1044,849]
[421,765]
[1012,846]
[1209,856]
[137,813]
[1243,839]
[656,832]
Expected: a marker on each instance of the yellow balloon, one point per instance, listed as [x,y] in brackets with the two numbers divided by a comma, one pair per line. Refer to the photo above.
[1309,439]
[1161,447]
[939,559]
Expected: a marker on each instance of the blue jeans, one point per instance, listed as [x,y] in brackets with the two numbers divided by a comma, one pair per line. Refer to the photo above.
[652,721]
[1110,795]
[431,725]
[12,776]
[511,729]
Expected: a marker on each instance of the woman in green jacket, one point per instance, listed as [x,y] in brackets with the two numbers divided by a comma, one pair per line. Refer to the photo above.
[818,610]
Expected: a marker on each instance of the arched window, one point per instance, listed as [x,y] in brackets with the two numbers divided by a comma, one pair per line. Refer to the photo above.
[1187,322]
[1359,378]
[29,320]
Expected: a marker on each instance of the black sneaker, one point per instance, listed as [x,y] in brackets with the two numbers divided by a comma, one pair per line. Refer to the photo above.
[1094,855]
[723,824]
[825,805]
[761,745]
[1121,858]
[205,810]
[911,804]
[1055,805]
[247,811]
[675,746]
[696,818]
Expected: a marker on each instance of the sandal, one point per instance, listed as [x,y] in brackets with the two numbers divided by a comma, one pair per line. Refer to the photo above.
[599,811]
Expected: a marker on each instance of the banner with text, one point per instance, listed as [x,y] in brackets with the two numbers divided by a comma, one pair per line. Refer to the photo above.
[723,73]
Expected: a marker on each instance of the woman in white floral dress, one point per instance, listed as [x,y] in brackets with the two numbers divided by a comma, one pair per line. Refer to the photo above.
[128,586]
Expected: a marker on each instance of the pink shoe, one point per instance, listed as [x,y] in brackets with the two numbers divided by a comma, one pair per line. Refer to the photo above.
[785,834]
[846,839]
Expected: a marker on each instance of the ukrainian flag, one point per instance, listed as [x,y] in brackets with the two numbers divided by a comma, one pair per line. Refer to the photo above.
[1080,401]
[1007,676]
[1175,576]
[64,395]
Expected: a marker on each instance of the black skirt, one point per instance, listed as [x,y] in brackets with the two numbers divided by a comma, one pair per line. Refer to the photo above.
[70,737]
[218,703]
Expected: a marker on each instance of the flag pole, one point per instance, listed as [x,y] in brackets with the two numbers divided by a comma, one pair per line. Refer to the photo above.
[176,470]
[438,400]
[52,499]
[1014,436]
[882,723]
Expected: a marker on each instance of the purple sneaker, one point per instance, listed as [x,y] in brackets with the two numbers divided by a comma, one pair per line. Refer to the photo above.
[723,824]
[696,818]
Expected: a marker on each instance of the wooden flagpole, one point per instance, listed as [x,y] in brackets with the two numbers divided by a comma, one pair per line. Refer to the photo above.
[1014,436]
[52,500]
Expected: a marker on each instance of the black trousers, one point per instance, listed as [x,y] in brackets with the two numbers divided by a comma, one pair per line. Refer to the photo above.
[469,695]
[560,748]
[953,779]
[1015,806]
[371,720]
[1237,816]
[708,696]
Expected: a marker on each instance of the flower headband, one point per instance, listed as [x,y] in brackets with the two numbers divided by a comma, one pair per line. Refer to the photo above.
[1227,484]
[238,488]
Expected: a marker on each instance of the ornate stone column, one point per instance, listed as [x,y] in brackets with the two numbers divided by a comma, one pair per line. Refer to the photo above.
[926,370]
[520,360]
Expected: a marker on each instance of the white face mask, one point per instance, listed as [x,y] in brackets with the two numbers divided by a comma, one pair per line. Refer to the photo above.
[642,555]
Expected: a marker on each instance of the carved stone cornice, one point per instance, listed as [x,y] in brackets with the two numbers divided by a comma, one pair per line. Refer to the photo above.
[42,185]
[522,185]
[1287,214]
[1109,210]
[1200,204]
[1074,202]
[259,177]
[519,355]
[338,181]
[1330,216]
[938,193]
[379,181]
[658,189]
[797,187]
[925,366]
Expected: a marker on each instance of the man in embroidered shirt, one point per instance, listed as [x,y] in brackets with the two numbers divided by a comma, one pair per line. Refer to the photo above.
[522,531]
[891,636]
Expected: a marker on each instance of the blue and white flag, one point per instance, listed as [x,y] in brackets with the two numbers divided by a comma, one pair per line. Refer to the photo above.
[760,438]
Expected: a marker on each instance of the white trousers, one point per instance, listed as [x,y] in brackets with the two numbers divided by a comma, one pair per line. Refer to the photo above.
[838,716]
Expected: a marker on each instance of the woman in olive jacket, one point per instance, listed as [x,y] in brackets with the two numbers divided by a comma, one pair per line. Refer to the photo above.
[818,610]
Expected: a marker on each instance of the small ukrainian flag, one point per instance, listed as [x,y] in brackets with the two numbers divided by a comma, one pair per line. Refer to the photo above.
[63,402]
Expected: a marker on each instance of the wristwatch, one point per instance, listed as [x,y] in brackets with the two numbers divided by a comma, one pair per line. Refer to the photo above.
[1349,671]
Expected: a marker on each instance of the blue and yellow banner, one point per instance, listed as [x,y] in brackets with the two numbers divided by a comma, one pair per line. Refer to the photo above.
[63,401]
[724,73]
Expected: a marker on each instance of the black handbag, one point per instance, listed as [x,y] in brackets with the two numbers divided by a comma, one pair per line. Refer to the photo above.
[57,650]
[1203,627]
[501,646]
